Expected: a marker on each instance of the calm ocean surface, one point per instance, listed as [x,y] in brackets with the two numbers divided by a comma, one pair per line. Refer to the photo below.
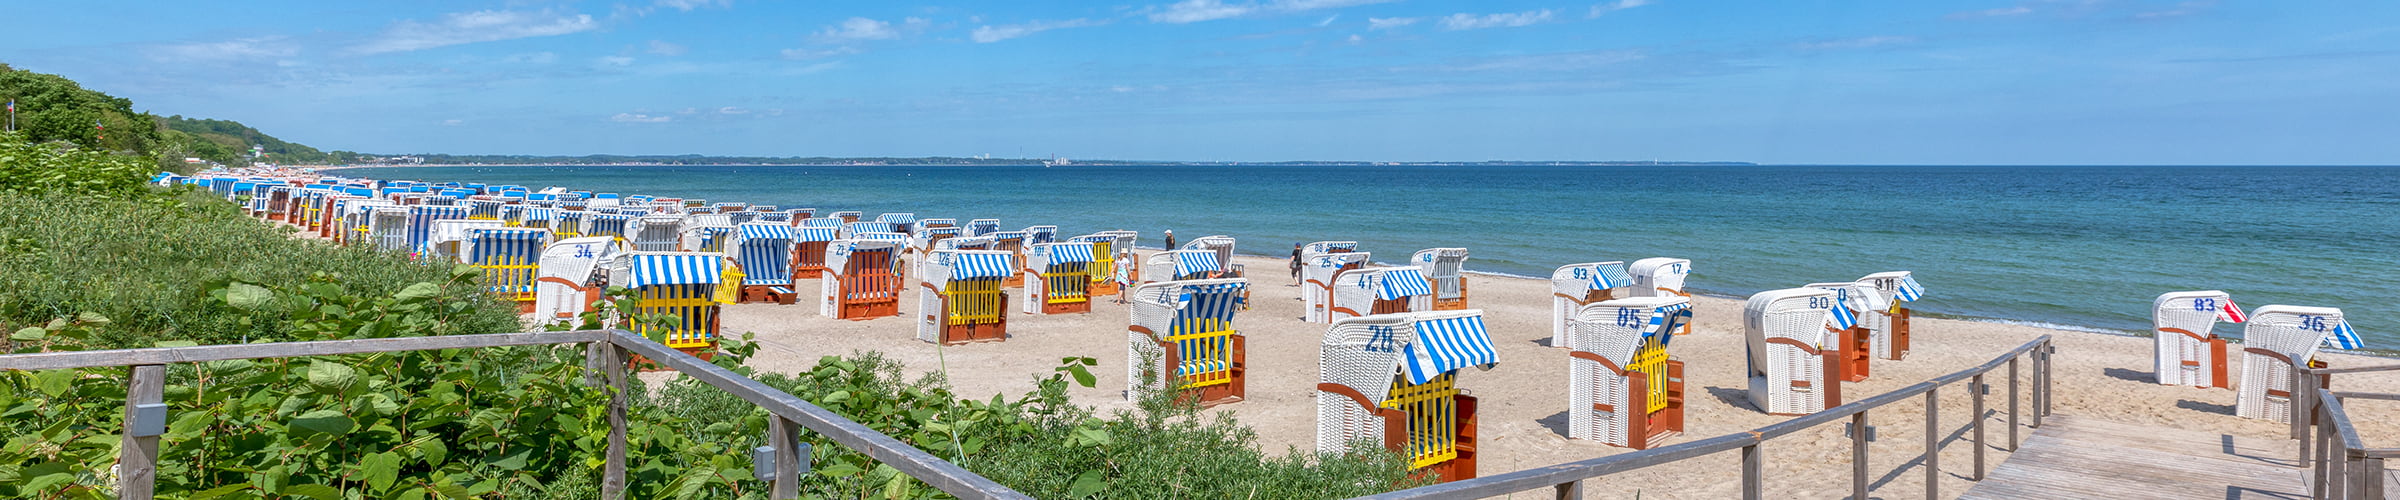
[2064,246]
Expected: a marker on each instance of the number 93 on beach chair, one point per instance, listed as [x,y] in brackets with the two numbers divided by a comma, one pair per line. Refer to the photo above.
[1790,340]
[2276,338]
[1058,278]
[1444,268]
[1573,286]
[2188,352]
[688,287]
[964,299]
[1391,379]
[862,282]
[1182,337]
[1625,390]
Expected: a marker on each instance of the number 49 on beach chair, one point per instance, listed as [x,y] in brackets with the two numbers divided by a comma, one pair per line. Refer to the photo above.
[1390,379]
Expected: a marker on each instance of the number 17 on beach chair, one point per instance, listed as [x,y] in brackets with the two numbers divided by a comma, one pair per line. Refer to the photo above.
[963,300]
[1182,337]
[1390,379]
[2188,353]
[2276,338]
[1792,365]
[1443,268]
[1625,391]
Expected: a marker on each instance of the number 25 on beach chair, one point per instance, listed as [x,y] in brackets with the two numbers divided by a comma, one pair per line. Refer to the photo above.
[1573,286]
[1792,365]
[861,282]
[2276,337]
[1391,379]
[1625,391]
[1890,325]
[2187,351]
[509,258]
[1852,340]
[572,276]
[1443,267]
[764,251]
[1182,337]
[964,300]
[1319,269]
[685,285]
[1058,278]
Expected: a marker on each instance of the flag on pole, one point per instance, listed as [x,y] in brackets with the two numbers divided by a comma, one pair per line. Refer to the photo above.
[12,105]
[2230,313]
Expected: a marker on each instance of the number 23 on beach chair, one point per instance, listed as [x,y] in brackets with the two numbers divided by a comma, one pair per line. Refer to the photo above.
[1391,379]
[2187,351]
[1182,337]
[1793,370]
[2277,337]
[1625,390]
[964,300]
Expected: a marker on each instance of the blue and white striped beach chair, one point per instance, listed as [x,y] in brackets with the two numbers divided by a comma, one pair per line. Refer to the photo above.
[764,250]
[1182,336]
[509,258]
[963,299]
[1623,389]
[1398,372]
[1058,278]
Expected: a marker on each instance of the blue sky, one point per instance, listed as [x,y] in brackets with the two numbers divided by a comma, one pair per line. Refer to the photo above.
[1943,82]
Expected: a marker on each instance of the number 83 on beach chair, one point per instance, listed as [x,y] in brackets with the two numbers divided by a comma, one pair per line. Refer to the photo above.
[2187,351]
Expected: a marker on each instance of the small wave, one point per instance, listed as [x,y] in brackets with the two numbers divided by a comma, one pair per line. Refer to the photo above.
[2054,326]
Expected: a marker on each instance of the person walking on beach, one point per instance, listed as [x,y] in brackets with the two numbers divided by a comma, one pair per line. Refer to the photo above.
[1170,239]
[1295,264]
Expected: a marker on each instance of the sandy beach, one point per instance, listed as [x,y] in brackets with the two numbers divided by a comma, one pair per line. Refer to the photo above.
[1524,398]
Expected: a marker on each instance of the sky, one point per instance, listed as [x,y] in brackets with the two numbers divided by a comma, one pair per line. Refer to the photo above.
[1849,82]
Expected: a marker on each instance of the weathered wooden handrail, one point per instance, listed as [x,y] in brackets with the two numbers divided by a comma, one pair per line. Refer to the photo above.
[1566,479]
[608,352]
[2341,465]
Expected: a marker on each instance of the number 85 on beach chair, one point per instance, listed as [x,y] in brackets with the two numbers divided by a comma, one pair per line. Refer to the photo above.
[1625,391]
[1391,379]
[2277,337]
[1793,370]
[2188,353]
[1182,337]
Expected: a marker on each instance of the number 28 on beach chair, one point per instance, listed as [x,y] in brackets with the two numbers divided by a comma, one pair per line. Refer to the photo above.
[1625,390]
[1058,278]
[1443,267]
[1792,365]
[764,251]
[509,258]
[1891,324]
[685,285]
[571,276]
[2188,353]
[1378,290]
[1319,269]
[861,282]
[964,300]
[1182,337]
[2277,337]
[1573,286]
[1391,379]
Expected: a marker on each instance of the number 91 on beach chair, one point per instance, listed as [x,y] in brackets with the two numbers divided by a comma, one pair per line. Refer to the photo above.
[1625,391]
[2277,337]
[1391,379]
[1789,333]
[1182,337]
[2188,352]
[964,299]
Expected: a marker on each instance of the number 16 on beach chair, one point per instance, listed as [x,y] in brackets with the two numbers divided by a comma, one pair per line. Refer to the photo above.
[861,282]
[2187,352]
[764,251]
[1625,391]
[1391,379]
[1443,267]
[1573,286]
[1792,365]
[685,285]
[964,300]
[2276,338]
[1182,337]
[509,259]
[1058,278]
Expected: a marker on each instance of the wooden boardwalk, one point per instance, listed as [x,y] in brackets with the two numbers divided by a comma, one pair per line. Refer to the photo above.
[2085,458]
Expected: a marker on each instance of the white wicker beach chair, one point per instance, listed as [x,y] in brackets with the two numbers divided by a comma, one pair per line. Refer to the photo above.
[983,227]
[571,277]
[1103,275]
[963,299]
[1891,325]
[2187,351]
[1623,389]
[2277,337]
[420,225]
[1223,247]
[657,233]
[1390,379]
[449,238]
[1319,270]
[1182,333]
[1853,345]
[860,281]
[705,238]
[1792,370]
[1574,285]
[808,250]
[1443,267]
[1378,290]
[1183,265]
[1058,278]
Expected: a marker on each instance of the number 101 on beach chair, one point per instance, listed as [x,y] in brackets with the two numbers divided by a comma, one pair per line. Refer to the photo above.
[1182,337]
[1390,379]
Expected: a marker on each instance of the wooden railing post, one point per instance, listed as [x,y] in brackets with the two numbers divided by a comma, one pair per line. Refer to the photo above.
[2049,379]
[1572,490]
[2303,388]
[1753,466]
[1933,443]
[1976,388]
[613,360]
[2373,479]
[137,460]
[2012,404]
[784,435]
[1858,456]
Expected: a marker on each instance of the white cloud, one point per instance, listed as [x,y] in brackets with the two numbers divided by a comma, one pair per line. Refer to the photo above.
[665,48]
[1865,42]
[1999,12]
[989,34]
[1192,11]
[1355,39]
[1328,20]
[730,110]
[473,27]
[639,118]
[1604,9]
[859,28]
[618,61]
[533,58]
[806,54]
[688,5]
[229,50]
[453,122]
[1385,23]
[1502,20]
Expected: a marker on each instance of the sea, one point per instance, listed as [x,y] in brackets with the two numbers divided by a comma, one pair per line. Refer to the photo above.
[2081,248]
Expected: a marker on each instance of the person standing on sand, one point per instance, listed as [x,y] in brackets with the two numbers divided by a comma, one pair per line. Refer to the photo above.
[1170,239]
[1295,264]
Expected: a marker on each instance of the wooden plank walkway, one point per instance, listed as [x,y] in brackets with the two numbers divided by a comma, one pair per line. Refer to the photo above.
[2073,457]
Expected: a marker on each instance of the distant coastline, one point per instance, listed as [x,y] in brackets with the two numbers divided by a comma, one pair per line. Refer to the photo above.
[1021,162]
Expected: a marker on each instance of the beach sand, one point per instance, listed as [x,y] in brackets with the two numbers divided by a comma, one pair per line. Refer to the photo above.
[1524,400]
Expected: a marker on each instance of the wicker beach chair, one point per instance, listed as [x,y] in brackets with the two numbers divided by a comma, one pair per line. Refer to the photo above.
[1659,276]
[571,276]
[686,285]
[509,259]
[1318,271]
[764,252]
[2187,352]
[1891,325]
[1790,344]
[861,282]
[963,299]
[420,225]
[1379,290]
[1854,344]
[1041,234]
[1624,390]
[846,216]
[1390,379]
[982,227]
[1184,265]
[610,225]
[1181,335]
[2276,338]
[1221,245]
[1104,264]
[1058,278]
[1573,286]
[1443,267]
[1012,242]
[657,233]
[449,241]
[808,250]
[484,209]
[706,238]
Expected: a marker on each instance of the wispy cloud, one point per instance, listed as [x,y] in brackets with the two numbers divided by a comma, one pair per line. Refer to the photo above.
[1864,42]
[241,49]
[1385,23]
[731,110]
[857,29]
[1503,20]
[989,34]
[665,48]
[640,118]
[1192,11]
[475,27]
[688,5]
[615,61]
[1328,20]
[2180,10]
[806,54]
[2011,11]
[1604,9]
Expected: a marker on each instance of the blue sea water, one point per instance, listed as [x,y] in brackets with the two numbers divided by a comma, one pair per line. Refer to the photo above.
[2070,246]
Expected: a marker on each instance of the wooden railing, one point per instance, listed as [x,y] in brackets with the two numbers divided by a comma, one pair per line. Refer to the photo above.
[2341,464]
[606,353]
[1566,479]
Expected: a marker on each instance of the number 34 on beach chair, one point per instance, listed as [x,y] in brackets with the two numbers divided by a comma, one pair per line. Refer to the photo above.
[1182,336]
[1391,379]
